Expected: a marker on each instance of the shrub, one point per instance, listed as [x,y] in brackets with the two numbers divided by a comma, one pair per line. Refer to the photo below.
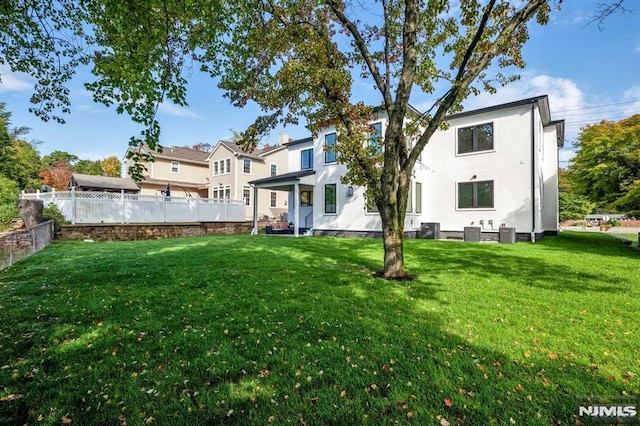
[52,212]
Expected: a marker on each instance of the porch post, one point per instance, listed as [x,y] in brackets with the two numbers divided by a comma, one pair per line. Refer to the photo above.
[296,208]
[254,231]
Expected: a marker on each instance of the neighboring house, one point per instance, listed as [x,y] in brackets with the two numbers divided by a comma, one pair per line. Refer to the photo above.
[492,167]
[231,169]
[185,170]
[81,182]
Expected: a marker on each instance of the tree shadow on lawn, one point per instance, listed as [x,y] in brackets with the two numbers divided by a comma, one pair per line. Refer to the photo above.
[589,243]
[324,363]
[493,262]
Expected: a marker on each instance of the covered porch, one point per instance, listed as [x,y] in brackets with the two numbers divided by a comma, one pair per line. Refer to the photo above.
[299,185]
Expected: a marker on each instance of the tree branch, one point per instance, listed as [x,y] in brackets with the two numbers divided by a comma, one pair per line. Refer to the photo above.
[383,87]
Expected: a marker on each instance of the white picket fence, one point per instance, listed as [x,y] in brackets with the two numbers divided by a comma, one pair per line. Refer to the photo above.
[106,207]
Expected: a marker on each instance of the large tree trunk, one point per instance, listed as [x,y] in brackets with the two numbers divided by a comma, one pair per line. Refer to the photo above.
[392,211]
[392,236]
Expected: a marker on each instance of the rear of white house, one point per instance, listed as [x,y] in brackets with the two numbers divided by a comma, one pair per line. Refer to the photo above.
[493,167]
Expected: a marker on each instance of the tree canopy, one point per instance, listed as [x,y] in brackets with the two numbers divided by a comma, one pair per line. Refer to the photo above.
[294,58]
[606,168]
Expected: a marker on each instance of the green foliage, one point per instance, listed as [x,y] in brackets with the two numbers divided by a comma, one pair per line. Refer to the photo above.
[573,206]
[9,194]
[52,212]
[306,334]
[295,59]
[607,162]
[56,157]
[19,159]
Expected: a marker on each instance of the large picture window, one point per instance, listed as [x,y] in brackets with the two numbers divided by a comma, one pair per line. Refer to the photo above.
[330,148]
[330,198]
[306,159]
[475,195]
[475,138]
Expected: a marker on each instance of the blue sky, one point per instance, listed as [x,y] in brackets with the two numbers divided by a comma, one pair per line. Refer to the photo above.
[589,73]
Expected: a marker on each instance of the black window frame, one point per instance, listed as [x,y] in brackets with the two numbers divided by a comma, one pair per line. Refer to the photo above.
[330,156]
[474,195]
[475,140]
[335,198]
[309,153]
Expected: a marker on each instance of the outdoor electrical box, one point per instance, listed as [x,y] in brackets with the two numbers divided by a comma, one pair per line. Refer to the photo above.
[430,230]
[472,234]
[507,235]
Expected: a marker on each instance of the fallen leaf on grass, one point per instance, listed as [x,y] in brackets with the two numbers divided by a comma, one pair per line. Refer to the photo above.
[443,421]
[11,397]
[65,420]
[553,355]
[448,402]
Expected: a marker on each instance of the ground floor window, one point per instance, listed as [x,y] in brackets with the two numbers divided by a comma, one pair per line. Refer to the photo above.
[475,195]
[306,198]
[246,195]
[222,192]
[274,199]
[330,198]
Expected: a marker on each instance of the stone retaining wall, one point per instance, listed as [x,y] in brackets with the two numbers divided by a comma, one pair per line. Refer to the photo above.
[149,231]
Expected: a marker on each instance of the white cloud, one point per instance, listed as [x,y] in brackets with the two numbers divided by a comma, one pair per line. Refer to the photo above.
[632,96]
[94,156]
[13,82]
[178,111]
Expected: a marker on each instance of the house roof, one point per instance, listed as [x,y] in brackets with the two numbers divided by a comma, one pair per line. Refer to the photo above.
[178,153]
[102,182]
[602,215]
[283,177]
[543,105]
[164,182]
[300,141]
[256,154]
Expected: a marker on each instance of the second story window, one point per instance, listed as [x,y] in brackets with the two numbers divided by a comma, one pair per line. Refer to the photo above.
[274,169]
[246,166]
[175,167]
[375,137]
[330,148]
[475,138]
[222,167]
[306,159]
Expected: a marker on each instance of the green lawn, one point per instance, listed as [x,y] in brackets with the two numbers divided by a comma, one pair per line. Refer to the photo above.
[276,330]
[630,237]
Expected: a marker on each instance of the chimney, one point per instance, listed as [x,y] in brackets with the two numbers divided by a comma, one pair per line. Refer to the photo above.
[284,138]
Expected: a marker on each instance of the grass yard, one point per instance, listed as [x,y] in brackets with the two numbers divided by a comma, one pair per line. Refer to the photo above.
[631,237]
[275,330]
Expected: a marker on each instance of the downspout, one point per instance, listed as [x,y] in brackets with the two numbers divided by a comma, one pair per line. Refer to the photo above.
[533,174]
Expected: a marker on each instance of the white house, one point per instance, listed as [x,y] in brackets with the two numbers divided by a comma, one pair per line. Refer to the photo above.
[493,167]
